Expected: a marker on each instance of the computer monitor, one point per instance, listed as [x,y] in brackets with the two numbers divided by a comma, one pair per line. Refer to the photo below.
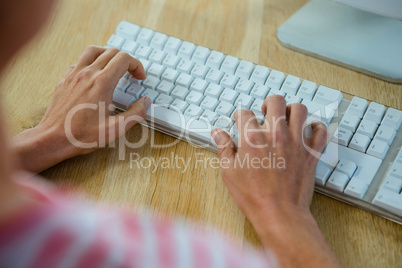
[364,35]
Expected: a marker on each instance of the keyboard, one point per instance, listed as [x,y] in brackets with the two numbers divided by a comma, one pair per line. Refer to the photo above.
[195,89]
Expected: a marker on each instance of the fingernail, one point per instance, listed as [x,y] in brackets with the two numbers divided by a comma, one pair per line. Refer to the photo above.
[147,102]
[215,136]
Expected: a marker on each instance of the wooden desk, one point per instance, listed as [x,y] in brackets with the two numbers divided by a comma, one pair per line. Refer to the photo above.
[246,29]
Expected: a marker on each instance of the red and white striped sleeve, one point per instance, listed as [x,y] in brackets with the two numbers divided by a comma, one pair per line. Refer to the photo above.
[66,232]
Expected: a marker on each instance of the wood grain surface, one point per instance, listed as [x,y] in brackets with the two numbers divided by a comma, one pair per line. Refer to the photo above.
[243,28]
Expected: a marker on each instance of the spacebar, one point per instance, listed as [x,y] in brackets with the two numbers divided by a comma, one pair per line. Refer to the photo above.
[180,125]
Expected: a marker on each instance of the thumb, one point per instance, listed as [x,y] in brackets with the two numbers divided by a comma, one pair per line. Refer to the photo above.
[224,142]
[134,114]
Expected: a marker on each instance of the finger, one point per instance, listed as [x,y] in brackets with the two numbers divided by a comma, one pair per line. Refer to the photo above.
[134,114]
[245,119]
[319,136]
[105,58]
[225,145]
[296,114]
[275,109]
[119,65]
[90,54]
[69,70]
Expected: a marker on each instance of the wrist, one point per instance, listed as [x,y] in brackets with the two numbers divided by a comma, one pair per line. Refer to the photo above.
[41,147]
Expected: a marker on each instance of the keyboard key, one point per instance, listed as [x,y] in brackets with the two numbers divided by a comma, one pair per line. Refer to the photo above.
[171,61]
[210,116]
[115,41]
[337,181]
[229,81]
[356,187]
[184,80]
[165,87]
[342,136]
[170,75]
[230,64]
[224,108]
[291,85]
[156,70]
[359,142]
[357,107]
[157,56]
[215,60]
[199,71]
[260,74]
[180,93]
[186,50]
[151,82]
[145,36]
[346,167]
[367,165]
[367,127]
[228,95]
[152,94]
[392,184]
[389,200]
[244,69]
[259,91]
[326,95]
[319,112]
[209,103]
[194,97]
[199,85]
[385,134]
[322,173]
[200,55]
[128,30]
[172,45]
[350,121]
[244,101]
[146,64]
[158,41]
[290,99]
[135,90]
[179,106]
[214,76]
[396,170]
[244,86]
[143,52]
[393,118]
[276,92]
[164,100]
[186,66]
[224,123]
[275,79]
[122,100]
[307,90]
[214,91]
[193,111]
[256,106]
[375,112]
[129,47]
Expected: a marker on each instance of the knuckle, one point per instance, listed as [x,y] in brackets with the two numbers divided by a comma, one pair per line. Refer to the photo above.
[84,74]
[123,56]
[300,107]
[255,138]
[113,50]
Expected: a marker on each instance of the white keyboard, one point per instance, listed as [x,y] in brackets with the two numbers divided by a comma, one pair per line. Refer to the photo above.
[195,90]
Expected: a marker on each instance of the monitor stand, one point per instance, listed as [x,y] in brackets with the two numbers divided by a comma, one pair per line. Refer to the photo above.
[353,38]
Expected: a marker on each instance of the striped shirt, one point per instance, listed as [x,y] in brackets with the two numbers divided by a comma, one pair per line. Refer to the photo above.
[64,231]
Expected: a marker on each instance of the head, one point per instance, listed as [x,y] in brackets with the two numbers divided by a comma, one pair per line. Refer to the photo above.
[20,20]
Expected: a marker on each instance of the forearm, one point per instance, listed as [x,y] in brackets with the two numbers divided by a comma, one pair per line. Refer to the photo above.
[296,240]
[41,147]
